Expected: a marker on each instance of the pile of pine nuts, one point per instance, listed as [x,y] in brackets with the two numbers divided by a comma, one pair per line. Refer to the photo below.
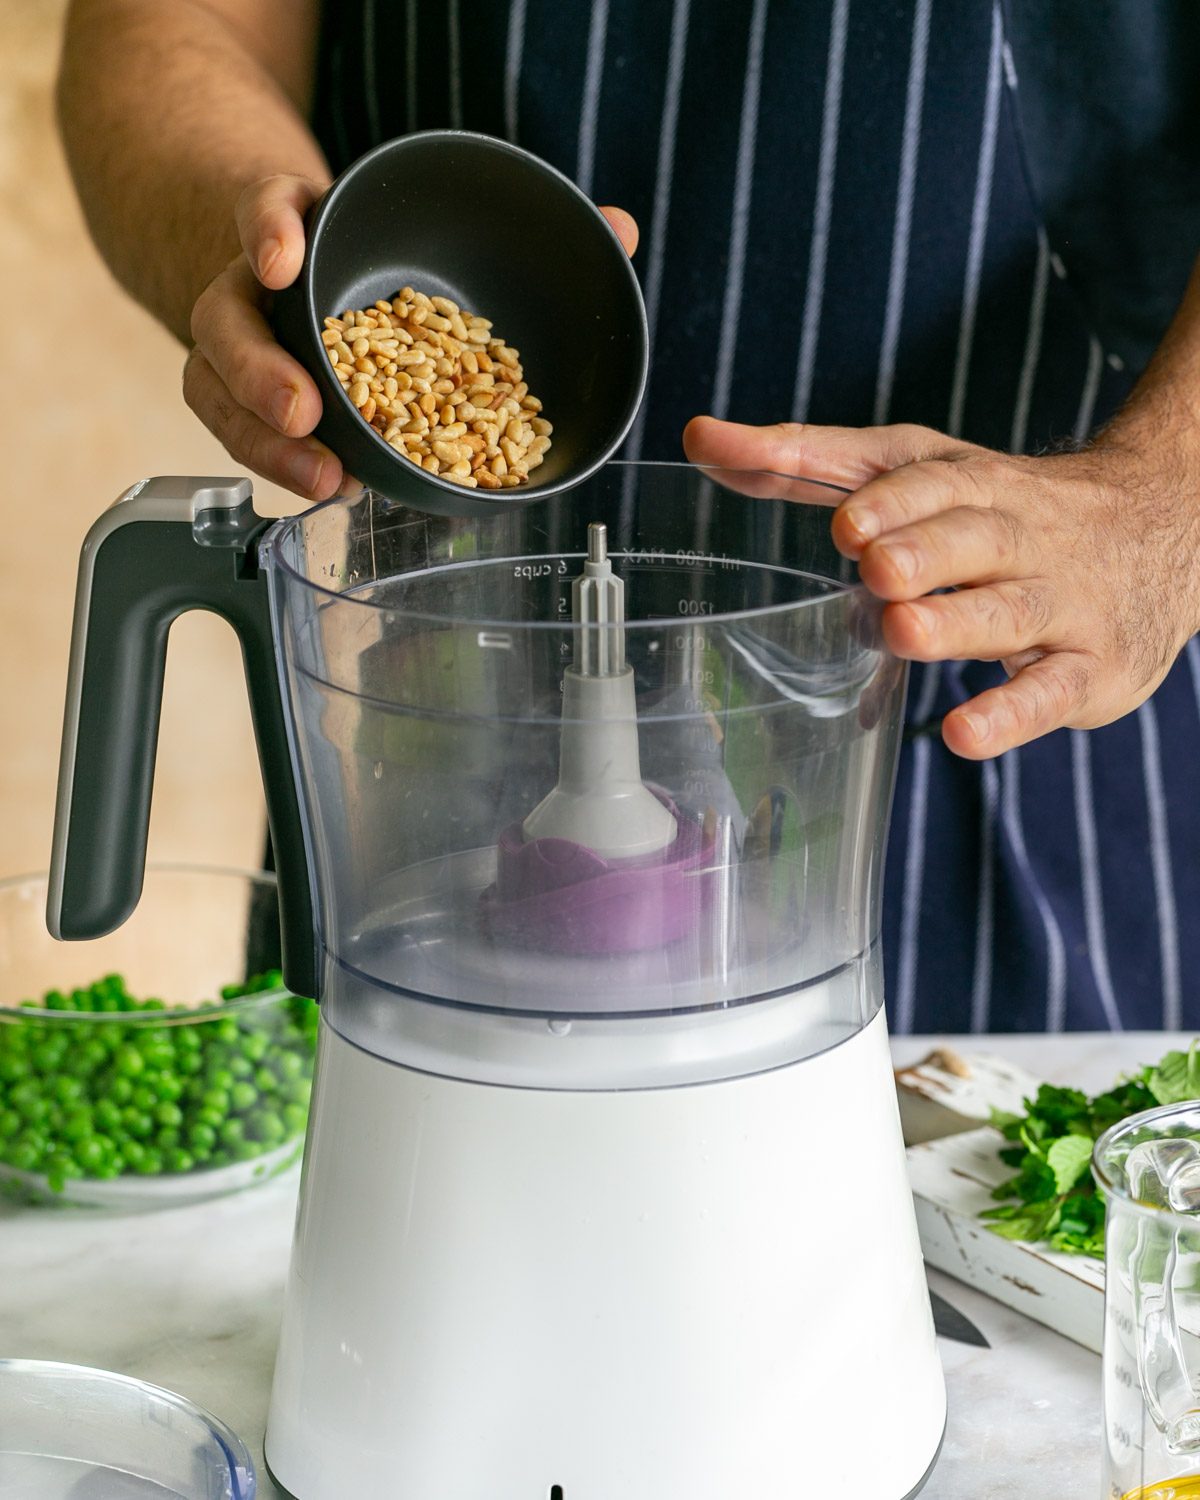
[435,384]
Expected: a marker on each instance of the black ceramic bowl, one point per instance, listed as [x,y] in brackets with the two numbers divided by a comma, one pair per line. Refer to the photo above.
[511,239]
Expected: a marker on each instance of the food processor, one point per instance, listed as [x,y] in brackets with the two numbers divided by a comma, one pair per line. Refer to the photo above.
[580,813]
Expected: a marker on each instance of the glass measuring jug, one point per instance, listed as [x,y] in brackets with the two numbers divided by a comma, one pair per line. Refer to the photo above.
[1148,1168]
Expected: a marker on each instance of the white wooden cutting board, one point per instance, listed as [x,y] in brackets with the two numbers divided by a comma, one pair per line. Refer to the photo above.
[952,1178]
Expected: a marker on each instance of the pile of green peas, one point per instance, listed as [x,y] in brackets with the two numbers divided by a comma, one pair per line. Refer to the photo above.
[100,1099]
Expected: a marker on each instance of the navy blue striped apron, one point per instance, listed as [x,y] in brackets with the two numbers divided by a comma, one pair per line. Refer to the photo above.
[838,225]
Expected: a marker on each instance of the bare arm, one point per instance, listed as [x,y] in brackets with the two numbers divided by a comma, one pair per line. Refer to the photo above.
[184,125]
[169,109]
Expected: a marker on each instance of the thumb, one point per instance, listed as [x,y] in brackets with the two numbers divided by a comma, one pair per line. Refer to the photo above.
[270,220]
[625,226]
[850,456]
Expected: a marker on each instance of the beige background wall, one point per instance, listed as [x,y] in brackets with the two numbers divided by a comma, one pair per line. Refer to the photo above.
[87,406]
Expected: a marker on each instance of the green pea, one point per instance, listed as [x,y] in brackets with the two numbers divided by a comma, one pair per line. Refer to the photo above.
[254,1046]
[201,1138]
[266,1126]
[24,1156]
[91,1153]
[47,1058]
[138,1125]
[242,1096]
[92,1055]
[214,1118]
[168,1139]
[266,1081]
[10,1123]
[28,1102]
[144,1099]
[289,1066]
[78,1125]
[219,1078]
[247,1151]
[241,1067]
[168,1087]
[59,1166]
[169,1114]
[12,1068]
[150,1165]
[107,1114]
[130,1062]
[300,1093]
[232,1132]
[295,1117]
[133,1153]
[178,1160]
[120,1090]
[217,1099]
[68,1089]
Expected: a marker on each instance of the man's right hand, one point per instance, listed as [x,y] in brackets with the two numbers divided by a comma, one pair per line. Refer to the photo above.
[243,386]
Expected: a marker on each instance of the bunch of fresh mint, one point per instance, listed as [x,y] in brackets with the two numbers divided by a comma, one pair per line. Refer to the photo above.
[1053,1198]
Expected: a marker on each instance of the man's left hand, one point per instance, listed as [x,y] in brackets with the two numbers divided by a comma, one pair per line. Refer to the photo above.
[1079,572]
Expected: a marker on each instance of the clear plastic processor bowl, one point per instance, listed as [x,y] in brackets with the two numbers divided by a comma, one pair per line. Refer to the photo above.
[123,1109]
[70,1433]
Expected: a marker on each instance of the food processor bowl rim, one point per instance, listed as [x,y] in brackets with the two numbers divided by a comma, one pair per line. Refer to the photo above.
[189,1016]
[837,588]
[1114,1189]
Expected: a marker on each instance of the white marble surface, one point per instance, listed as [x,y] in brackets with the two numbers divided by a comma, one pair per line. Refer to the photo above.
[190,1299]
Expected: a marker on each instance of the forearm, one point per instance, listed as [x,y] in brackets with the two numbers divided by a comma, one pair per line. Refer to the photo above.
[1166,400]
[167,112]
[1153,446]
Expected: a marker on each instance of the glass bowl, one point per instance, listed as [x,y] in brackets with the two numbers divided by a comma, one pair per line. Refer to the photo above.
[163,1064]
[70,1433]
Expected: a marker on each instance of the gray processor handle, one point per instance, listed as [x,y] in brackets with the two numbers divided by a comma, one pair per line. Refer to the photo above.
[165,547]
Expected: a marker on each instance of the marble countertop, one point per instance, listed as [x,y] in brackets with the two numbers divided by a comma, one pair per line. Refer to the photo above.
[190,1299]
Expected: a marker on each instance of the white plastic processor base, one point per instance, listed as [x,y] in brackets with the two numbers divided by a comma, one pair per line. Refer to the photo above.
[692,1293]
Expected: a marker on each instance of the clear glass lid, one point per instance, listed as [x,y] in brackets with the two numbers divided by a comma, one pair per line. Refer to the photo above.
[625,755]
[72,1433]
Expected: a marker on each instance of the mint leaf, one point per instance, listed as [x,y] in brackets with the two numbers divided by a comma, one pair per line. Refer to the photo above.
[1069,1158]
[1034,1225]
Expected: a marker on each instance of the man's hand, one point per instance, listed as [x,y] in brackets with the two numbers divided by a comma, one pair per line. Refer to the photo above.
[243,386]
[1079,572]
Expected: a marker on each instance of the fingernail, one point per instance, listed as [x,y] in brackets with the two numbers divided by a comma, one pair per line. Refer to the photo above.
[269,252]
[283,407]
[864,520]
[921,617]
[903,559]
[304,467]
[976,726]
